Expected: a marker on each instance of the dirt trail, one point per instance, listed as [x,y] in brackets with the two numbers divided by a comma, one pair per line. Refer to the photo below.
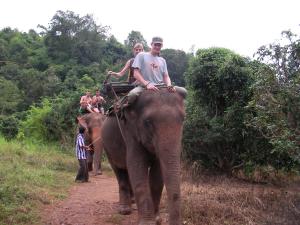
[89,203]
[215,200]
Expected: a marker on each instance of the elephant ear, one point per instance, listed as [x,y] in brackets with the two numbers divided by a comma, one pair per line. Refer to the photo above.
[181,91]
[82,122]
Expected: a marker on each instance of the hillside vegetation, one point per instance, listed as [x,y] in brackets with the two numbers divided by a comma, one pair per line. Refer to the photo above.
[242,114]
[32,175]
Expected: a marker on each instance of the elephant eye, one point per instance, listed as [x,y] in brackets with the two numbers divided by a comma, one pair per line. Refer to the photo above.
[147,123]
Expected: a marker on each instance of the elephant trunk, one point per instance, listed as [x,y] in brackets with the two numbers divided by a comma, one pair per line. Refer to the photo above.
[169,148]
[98,147]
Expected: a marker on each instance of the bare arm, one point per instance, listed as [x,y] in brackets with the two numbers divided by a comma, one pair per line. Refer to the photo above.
[138,76]
[86,147]
[82,100]
[122,72]
[102,99]
[167,79]
[148,85]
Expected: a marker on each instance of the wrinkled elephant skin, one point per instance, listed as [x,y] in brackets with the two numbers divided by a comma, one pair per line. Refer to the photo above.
[149,157]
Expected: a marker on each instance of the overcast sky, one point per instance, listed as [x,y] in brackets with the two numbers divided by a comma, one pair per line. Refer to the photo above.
[240,25]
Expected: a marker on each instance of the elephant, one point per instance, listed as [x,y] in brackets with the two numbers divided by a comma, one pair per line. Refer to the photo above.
[143,148]
[93,123]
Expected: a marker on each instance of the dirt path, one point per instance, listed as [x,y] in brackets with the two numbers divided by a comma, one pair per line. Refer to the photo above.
[89,203]
[215,200]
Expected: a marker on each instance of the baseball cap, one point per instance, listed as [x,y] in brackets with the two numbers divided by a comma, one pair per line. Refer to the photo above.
[157,40]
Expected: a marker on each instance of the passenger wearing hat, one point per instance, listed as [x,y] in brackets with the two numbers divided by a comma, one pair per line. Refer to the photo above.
[150,69]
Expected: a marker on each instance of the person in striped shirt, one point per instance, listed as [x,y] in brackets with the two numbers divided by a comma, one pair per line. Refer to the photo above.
[81,148]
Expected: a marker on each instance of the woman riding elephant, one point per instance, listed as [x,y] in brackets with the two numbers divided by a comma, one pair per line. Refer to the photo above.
[143,149]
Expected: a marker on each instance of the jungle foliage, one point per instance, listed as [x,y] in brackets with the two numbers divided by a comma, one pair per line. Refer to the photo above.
[43,74]
[240,112]
[245,113]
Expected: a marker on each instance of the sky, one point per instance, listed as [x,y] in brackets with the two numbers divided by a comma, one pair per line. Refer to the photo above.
[239,25]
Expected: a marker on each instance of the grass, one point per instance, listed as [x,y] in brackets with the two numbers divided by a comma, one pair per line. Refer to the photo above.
[115,219]
[221,200]
[32,175]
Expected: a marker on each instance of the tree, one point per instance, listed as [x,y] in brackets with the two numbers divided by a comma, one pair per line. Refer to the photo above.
[10,97]
[135,37]
[3,51]
[72,36]
[9,126]
[34,127]
[177,62]
[219,83]
[275,104]
[114,51]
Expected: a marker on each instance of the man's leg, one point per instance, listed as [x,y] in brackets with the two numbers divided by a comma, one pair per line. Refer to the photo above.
[134,93]
[86,172]
[96,110]
[80,173]
[89,108]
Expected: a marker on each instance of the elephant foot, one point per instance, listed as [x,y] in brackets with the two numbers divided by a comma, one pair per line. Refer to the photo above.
[147,222]
[132,200]
[158,220]
[98,173]
[125,210]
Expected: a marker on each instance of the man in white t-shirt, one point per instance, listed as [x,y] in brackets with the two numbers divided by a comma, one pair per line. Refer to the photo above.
[151,69]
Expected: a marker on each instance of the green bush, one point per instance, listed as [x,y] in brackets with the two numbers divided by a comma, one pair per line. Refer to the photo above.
[9,127]
[215,133]
[60,122]
[275,105]
[33,127]
[243,114]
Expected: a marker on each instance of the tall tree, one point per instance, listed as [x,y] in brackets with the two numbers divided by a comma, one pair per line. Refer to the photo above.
[276,99]
[72,36]
[177,62]
[219,82]
[10,97]
[135,37]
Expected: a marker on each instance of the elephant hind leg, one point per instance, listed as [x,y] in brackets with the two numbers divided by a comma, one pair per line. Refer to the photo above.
[125,192]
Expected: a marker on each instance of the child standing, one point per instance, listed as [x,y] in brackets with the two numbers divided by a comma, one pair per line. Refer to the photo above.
[83,174]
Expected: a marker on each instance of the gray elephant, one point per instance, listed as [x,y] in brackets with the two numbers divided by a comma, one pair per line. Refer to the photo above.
[144,152]
[93,124]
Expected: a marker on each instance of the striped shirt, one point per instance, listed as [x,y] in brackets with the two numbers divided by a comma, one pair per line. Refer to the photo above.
[80,151]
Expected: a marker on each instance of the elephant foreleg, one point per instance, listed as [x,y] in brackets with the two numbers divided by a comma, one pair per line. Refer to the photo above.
[97,160]
[137,163]
[98,149]
[156,186]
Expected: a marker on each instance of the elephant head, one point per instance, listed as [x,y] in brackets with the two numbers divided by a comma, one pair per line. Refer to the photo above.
[152,131]
[93,124]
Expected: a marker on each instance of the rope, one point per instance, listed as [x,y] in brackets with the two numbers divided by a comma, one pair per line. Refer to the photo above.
[94,141]
[120,129]
[118,121]
[117,99]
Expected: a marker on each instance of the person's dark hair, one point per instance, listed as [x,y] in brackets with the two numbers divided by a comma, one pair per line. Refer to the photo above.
[81,129]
